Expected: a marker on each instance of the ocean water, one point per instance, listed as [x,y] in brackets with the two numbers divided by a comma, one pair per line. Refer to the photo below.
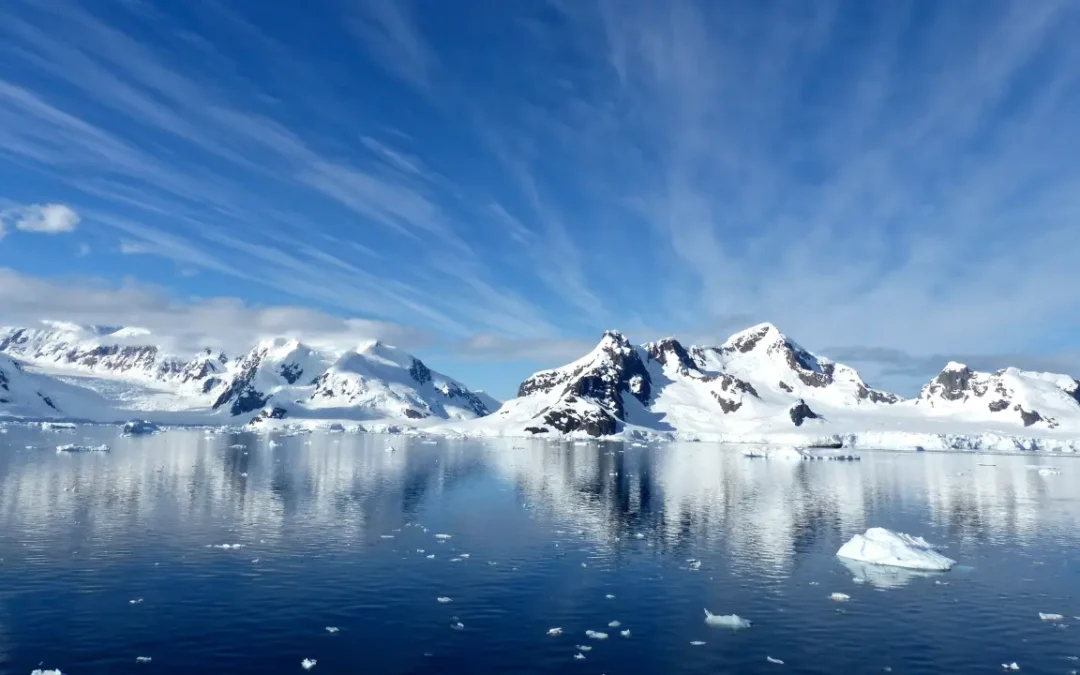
[108,557]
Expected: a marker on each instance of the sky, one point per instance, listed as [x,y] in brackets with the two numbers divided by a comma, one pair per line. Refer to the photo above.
[492,184]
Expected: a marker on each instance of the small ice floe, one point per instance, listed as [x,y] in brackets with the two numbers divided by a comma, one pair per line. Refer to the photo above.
[420,550]
[639,535]
[74,448]
[332,629]
[308,664]
[554,632]
[143,659]
[274,444]
[38,671]
[386,536]
[442,536]
[1051,617]
[579,656]
[613,624]
[443,600]
[430,556]
[226,547]
[609,596]
[583,648]
[696,643]
[772,660]
[732,621]
[584,565]
[839,597]
[695,564]
[455,559]
[625,633]
[1011,666]
[139,428]
[595,635]
[136,601]
[457,625]
[464,555]
[879,546]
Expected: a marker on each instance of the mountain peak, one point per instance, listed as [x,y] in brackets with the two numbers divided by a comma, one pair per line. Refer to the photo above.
[615,337]
[747,340]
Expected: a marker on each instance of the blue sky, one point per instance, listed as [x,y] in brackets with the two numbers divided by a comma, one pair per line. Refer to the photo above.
[491,184]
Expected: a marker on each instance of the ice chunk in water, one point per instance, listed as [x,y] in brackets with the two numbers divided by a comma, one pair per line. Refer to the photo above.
[443,600]
[136,601]
[332,629]
[696,643]
[38,671]
[554,632]
[442,536]
[733,621]
[840,597]
[609,596]
[308,664]
[625,633]
[1051,617]
[613,624]
[579,656]
[457,626]
[885,547]
[143,659]
[595,635]
[1011,666]
[772,660]
[584,648]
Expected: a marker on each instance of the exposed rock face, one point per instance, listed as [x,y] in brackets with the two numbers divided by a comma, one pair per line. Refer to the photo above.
[592,422]
[670,353]
[954,383]
[876,396]
[290,372]
[241,390]
[801,412]
[420,372]
[273,413]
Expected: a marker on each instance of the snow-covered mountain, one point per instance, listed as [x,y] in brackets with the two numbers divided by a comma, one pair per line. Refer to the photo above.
[123,374]
[759,384]
[115,352]
[1018,396]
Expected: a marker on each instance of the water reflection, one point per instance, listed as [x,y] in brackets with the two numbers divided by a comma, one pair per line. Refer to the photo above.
[759,513]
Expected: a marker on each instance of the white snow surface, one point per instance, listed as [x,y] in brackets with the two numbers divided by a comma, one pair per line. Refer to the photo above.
[747,389]
[114,375]
[879,546]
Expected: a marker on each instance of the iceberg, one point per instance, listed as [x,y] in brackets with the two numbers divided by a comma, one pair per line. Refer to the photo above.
[732,621]
[879,546]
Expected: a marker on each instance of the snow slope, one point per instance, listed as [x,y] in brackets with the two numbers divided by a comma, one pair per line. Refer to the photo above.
[115,374]
[760,386]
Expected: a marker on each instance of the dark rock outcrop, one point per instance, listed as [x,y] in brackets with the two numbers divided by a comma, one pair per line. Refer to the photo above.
[592,422]
[800,412]
[419,372]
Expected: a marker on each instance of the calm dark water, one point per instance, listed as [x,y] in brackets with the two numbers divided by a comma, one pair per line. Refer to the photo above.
[83,536]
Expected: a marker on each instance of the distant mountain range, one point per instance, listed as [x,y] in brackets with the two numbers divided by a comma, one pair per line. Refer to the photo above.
[109,374]
[757,385]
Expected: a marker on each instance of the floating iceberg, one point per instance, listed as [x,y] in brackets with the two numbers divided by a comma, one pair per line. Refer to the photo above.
[733,621]
[879,546]
[140,427]
[72,448]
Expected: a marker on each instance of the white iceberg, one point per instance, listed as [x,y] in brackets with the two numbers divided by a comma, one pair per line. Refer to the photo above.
[839,597]
[554,632]
[1051,617]
[733,621]
[595,635]
[308,664]
[443,600]
[879,546]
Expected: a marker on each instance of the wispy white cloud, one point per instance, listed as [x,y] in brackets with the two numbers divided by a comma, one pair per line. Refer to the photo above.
[388,31]
[185,325]
[40,218]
